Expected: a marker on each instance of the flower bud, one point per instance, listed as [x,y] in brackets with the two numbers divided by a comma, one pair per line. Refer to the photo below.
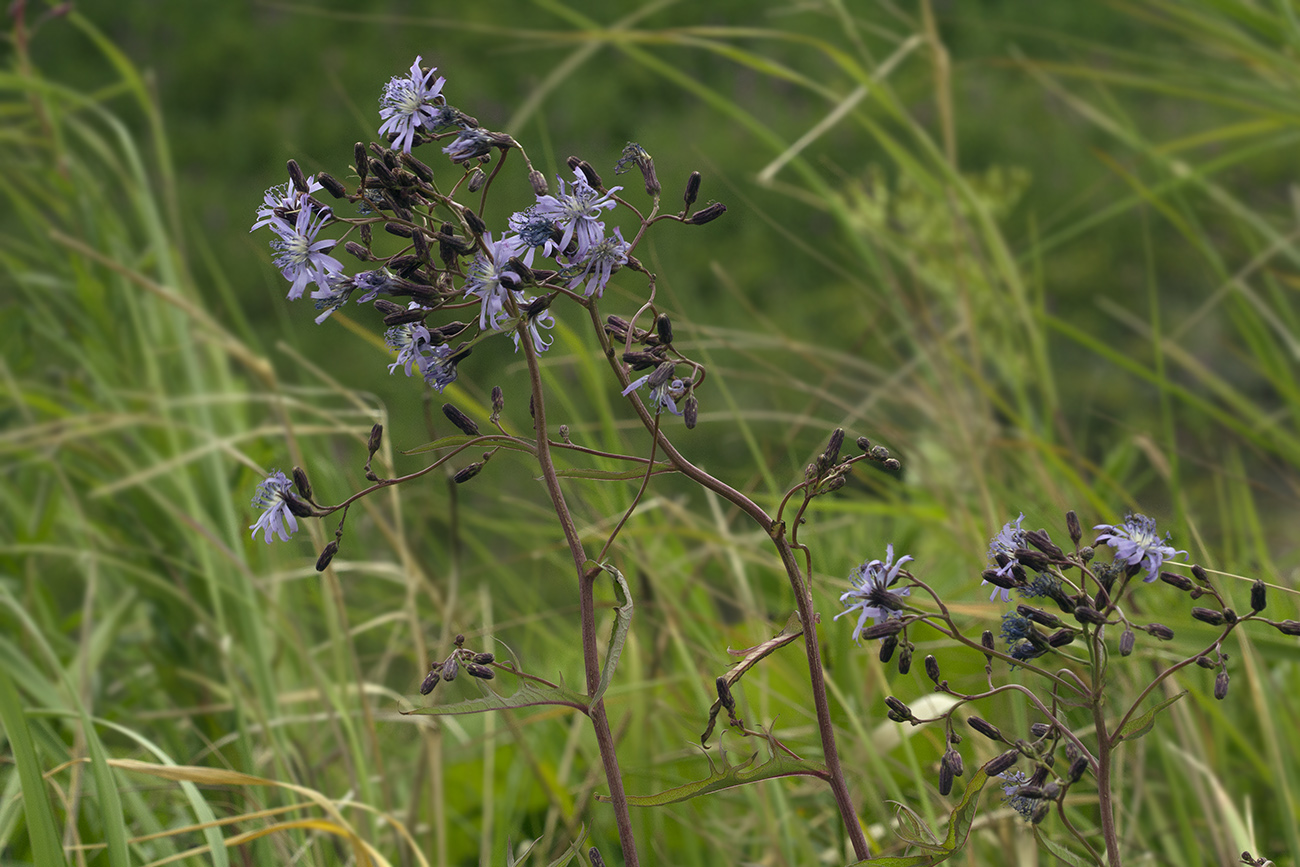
[898,711]
[891,464]
[594,855]
[1209,615]
[538,181]
[708,215]
[932,668]
[1126,642]
[1040,730]
[952,759]
[664,328]
[301,483]
[905,659]
[887,627]
[1062,637]
[1207,662]
[945,779]
[1040,812]
[474,221]
[691,412]
[482,672]
[1258,595]
[464,474]
[332,185]
[1088,614]
[1039,616]
[1072,526]
[1175,580]
[361,161]
[430,681]
[1221,685]
[477,178]
[297,506]
[585,169]
[1288,627]
[376,437]
[1043,542]
[692,189]
[297,177]
[986,640]
[985,728]
[998,764]
[450,668]
[887,647]
[485,658]
[326,555]
[1077,768]
[466,424]
[1159,630]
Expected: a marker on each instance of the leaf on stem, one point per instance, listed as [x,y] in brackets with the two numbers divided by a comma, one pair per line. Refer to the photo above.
[1138,726]
[622,622]
[959,824]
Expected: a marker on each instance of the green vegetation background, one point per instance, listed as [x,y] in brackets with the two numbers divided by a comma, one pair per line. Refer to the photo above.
[1048,257]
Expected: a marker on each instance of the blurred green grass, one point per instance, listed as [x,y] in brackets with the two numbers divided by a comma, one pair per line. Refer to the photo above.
[1094,311]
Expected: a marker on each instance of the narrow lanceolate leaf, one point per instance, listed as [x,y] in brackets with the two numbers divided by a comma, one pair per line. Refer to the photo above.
[528,695]
[959,824]
[729,776]
[1140,725]
[613,475]
[45,843]
[497,440]
[622,623]
[1064,854]
[750,657]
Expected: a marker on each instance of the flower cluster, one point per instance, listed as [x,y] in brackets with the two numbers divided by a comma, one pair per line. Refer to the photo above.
[871,595]
[1136,542]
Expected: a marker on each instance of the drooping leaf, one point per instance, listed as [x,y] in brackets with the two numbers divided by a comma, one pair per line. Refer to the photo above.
[622,622]
[1140,725]
[750,657]
[729,776]
[528,694]
[959,824]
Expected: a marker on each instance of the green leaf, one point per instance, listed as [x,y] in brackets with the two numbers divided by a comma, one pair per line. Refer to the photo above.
[959,823]
[622,623]
[46,846]
[730,776]
[1061,852]
[529,694]
[613,475]
[1138,726]
[498,440]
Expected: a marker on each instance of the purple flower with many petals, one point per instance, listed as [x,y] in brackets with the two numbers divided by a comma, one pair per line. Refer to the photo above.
[577,213]
[600,261]
[490,279]
[408,103]
[870,596]
[299,256]
[284,198]
[536,321]
[1136,541]
[277,518]
[1009,540]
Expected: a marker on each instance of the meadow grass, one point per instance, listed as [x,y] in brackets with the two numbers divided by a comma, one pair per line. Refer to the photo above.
[173,692]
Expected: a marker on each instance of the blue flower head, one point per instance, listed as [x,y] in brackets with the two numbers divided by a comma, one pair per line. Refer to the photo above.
[601,260]
[577,212]
[1136,541]
[1007,542]
[870,595]
[299,256]
[409,103]
[277,518]
[284,198]
[491,280]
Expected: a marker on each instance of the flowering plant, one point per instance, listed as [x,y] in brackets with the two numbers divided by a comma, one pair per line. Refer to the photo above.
[515,276]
